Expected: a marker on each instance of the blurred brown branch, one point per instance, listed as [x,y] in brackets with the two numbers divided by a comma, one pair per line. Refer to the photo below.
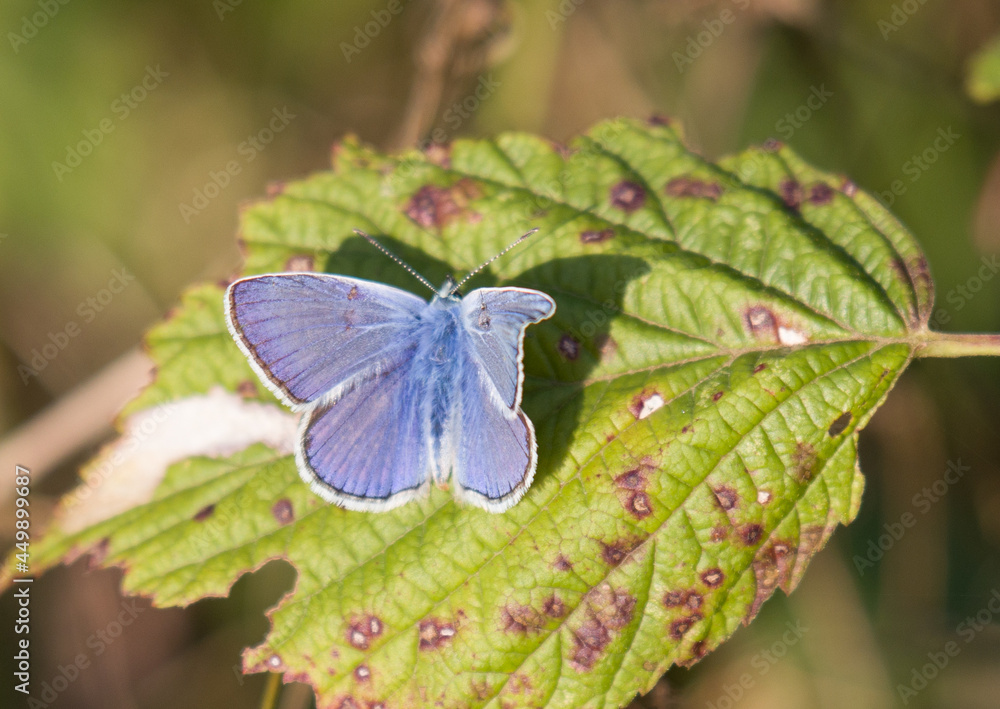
[455,44]
[80,418]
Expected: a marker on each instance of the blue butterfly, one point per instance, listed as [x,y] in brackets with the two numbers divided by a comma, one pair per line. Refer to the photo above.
[396,392]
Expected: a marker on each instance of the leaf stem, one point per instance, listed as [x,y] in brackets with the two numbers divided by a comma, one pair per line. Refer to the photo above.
[271,691]
[939,344]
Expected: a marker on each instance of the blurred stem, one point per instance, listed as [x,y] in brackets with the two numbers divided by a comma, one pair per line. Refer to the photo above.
[936,344]
[271,691]
[433,56]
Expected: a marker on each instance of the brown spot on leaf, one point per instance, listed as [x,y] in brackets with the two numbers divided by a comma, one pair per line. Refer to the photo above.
[634,479]
[569,347]
[616,552]
[357,637]
[718,395]
[362,631]
[348,703]
[283,511]
[639,505]
[562,564]
[772,567]
[481,690]
[593,236]
[803,462]
[772,145]
[607,612]
[839,425]
[554,607]
[362,673]
[204,513]
[519,683]
[849,187]
[759,368]
[627,195]
[680,626]
[673,599]
[698,650]
[690,187]
[727,497]
[750,534]
[761,323]
[820,193]
[694,601]
[434,633]
[713,578]
[791,193]
[719,533]
[434,207]
[645,402]
[515,618]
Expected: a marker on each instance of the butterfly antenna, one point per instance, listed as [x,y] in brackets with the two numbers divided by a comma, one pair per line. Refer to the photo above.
[396,258]
[487,263]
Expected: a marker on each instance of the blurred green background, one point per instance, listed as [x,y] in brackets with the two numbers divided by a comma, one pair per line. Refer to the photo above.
[127,136]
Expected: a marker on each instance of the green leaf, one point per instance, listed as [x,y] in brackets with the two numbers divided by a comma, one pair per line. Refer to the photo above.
[723,332]
[983,79]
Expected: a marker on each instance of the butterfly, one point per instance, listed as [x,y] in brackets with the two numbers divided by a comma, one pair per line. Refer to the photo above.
[396,392]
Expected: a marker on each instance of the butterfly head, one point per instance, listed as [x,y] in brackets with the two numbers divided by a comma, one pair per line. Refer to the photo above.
[449,289]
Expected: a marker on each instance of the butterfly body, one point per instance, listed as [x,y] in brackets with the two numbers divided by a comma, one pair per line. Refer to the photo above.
[396,392]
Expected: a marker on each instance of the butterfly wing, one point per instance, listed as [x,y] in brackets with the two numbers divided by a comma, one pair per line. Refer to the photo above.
[493,441]
[368,449]
[306,334]
[495,320]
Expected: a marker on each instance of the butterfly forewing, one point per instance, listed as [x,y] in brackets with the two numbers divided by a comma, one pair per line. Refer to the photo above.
[495,319]
[493,441]
[306,333]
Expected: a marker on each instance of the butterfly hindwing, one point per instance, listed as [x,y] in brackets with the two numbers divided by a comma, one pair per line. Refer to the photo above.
[368,448]
[305,334]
